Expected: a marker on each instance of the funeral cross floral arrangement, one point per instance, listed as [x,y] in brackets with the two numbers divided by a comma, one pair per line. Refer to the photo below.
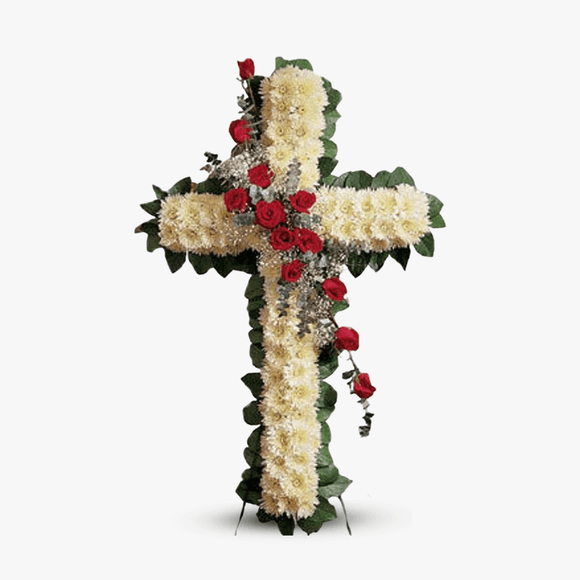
[275,211]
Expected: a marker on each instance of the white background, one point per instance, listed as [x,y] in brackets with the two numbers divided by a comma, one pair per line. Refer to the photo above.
[121,433]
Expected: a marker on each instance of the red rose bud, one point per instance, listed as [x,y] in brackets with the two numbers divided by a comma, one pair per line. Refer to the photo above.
[236,199]
[246,69]
[240,131]
[291,272]
[283,239]
[270,214]
[334,288]
[260,175]
[346,338]
[302,201]
[363,387]
[308,241]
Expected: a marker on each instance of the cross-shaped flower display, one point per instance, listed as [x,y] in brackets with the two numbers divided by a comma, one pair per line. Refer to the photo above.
[274,210]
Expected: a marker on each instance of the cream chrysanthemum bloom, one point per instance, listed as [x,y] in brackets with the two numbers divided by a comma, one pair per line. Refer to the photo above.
[293,121]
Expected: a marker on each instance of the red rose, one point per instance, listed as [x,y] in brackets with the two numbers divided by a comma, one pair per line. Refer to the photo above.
[270,214]
[246,68]
[309,241]
[236,199]
[292,271]
[260,175]
[240,131]
[283,239]
[302,201]
[334,288]
[363,387]
[346,338]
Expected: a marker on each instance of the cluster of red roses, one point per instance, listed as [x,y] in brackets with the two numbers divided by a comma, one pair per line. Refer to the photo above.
[272,216]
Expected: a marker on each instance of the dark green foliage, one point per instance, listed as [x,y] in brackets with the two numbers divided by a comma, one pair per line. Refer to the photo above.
[324,512]
[174,259]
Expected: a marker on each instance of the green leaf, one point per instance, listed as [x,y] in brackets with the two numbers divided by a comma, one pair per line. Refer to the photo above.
[264,516]
[341,180]
[334,97]
[328,180]
[328,367]
[201,263]
[327,395]
[358,180]
[182,187]
[159,192]
[339,306]
[331,117]
[256,336]
[223,264]
[299,62]
[252,458]
[211,185]
[435,205]
[401,255]
[347,375]
[252,415]
[330,149]
[152,207]
[153,242]
[438,222]
[358,262]
[254,307]
[249,488]
[285,525]
[257,355]
[246,261]
[254,439]
[399,176]
[325,435]
[381,179]
[324,413]
[255,288]
[378,260]
[324,512]
[426,245]
[150,227]
[323,457]
[174,260]
[327,475]
[254,382]
[326,166]
[335,489]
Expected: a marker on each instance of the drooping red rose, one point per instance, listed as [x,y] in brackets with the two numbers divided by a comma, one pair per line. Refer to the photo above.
[291,272]
[346,338]
[260,175]
[309,241]
[334,288]
[283,239]
[240,130]
[270,214]
[236,199]
[363,387]
[246,68]
[302,201]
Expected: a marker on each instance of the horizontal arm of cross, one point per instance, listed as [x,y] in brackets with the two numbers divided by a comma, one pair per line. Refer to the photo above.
[368,219]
